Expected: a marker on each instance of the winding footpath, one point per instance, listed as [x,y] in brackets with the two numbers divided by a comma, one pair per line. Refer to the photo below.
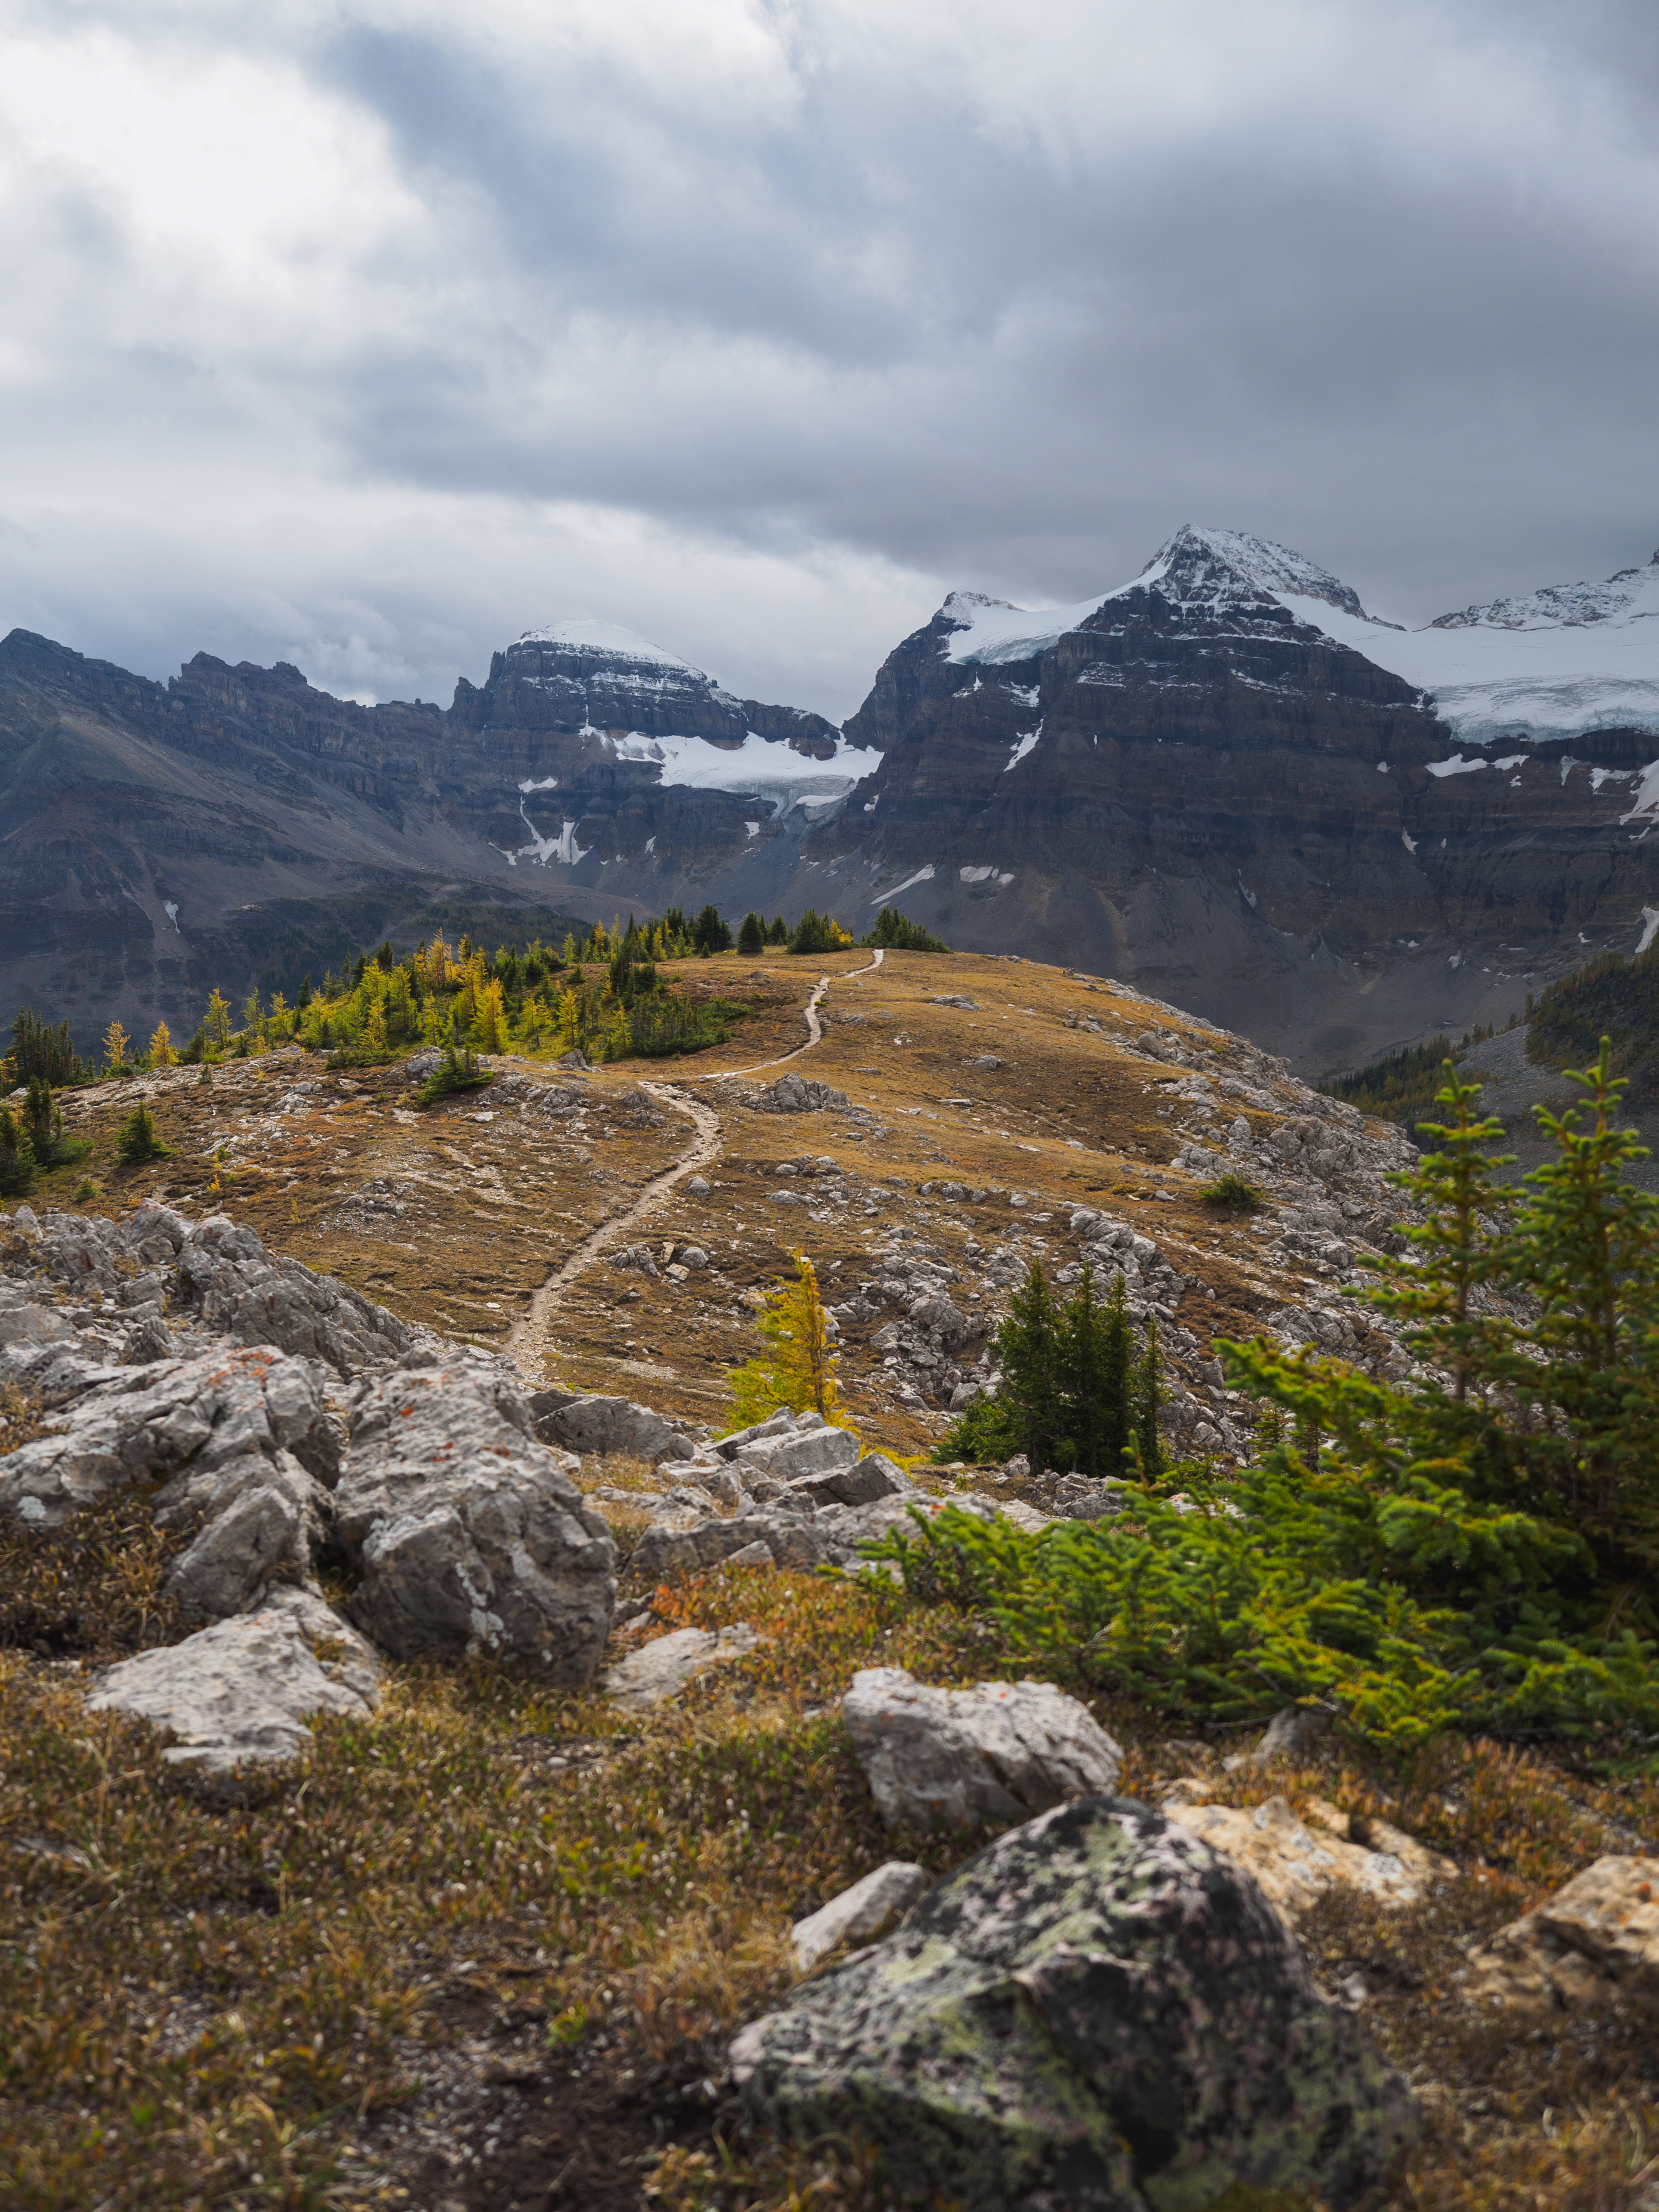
[530,1345]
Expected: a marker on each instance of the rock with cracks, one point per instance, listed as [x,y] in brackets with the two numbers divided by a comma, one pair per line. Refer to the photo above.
[1596,1941]
[1097,2013]
[596,1424]
[228,1279]
[246,1690]
[960,1758]
[470,1535]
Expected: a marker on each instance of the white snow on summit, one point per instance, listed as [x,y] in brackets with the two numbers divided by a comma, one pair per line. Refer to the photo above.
[607,637]
[1567,658]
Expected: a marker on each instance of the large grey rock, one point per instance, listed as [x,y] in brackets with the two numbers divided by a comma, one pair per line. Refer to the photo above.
[869,1908]
[232,1417]
[780,1423]
[1096,2013]
[861,1484]
[244,1691]
[810,1451]
[469,1534]
[35,1324]
[228,1279]
[958,1758]
[660,1670]
[272,1527]
[596,1424]
[667,1554]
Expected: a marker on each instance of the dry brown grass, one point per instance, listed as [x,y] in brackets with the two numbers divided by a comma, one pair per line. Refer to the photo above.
[91,1590]
[201,1992]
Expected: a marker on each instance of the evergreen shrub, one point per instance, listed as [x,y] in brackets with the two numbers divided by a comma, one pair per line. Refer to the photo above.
[1477,1548]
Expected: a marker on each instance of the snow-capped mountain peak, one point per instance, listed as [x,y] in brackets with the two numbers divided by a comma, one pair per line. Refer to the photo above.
[586,632]
[1628,594]
[1202,565]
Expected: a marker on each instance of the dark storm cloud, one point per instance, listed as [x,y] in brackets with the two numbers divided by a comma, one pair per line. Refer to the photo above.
[871,305]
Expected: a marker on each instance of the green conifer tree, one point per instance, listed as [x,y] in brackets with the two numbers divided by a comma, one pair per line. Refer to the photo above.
[1148,1405]
[751,938]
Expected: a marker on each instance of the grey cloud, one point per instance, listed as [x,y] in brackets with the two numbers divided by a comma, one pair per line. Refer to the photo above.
[872,326]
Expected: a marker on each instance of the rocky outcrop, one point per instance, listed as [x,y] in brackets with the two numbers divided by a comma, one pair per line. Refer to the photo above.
[469,1535]
[209,1429]
[1096,2011]
[236,1288]
[963,1758]
[244,1692]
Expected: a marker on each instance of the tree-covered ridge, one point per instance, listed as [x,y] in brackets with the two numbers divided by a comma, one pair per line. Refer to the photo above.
[1404,1085]
[1476,1547]
[1614,998]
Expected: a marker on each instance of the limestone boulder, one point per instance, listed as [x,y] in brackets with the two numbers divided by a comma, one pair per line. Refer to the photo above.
[212,1425]
[796,1452]
[962,1759]
[868,1909]
[235,1288]
[246,1690]
[1298,1862]
[658,1671]
[1097,2012]
[606,1426]
[469,1534]
[1594,1942]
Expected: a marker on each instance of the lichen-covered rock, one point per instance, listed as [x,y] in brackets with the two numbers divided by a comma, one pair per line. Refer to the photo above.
[236,1288]
[470,1535]
[234,1417]
[245,1691]
[1096,2014]
[957,1758]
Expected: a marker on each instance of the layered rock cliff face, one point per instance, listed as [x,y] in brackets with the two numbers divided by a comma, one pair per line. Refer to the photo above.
[158,840]
[1214,781]
[1224,780]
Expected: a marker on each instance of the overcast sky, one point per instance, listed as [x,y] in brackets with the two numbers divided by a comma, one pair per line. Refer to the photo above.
[368,333]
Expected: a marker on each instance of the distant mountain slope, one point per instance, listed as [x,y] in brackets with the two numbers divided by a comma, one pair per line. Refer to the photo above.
[1224,780]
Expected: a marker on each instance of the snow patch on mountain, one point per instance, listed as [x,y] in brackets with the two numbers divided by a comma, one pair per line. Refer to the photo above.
[759,767]
[586,632]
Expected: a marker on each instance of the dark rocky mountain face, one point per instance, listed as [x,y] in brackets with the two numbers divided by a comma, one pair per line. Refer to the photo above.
[237,826]
[1224,782]
[1191,784]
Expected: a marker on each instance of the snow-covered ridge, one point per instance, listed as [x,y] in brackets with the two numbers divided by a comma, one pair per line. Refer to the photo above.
[589,632]
[1565,658]
[1220,571]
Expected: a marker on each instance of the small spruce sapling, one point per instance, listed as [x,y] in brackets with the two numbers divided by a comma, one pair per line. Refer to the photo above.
[139,1139]
[16,1158]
